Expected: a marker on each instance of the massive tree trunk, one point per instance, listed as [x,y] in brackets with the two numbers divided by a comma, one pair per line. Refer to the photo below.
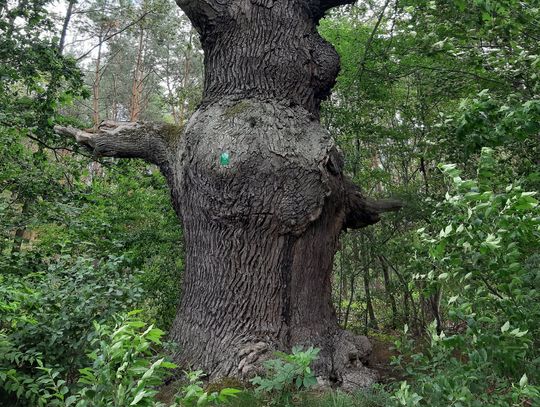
[259,187]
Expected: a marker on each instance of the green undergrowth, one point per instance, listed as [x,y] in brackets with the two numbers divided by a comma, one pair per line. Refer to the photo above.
[376,397]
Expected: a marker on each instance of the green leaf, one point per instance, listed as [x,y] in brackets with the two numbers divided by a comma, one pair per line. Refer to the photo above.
[492,242]
[70,400]
[230,392]
[138,397]
[309,381]
[524,380]
[202,399]
[134,312]
[169,365]
[517,333]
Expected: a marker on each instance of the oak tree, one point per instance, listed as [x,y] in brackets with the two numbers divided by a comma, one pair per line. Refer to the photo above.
[258,185]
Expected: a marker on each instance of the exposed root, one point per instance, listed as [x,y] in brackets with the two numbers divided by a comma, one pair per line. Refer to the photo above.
[341,364]
[343,367]
[351,354]
[251,358]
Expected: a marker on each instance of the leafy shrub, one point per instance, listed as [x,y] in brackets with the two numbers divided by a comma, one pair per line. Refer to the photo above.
[438,377]
[142,228]
[287,373]
[13,380]
[127,370]
[124,371]
[68,297]
[481,250]
[22,373]
[46,320]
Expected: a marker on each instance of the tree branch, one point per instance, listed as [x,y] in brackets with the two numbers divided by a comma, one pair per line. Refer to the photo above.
[53,148]
[114,34]
[319,7]
[362,211]
[150,141]
[370,40]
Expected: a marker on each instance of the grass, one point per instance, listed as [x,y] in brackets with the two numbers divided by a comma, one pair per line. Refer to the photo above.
[375,397]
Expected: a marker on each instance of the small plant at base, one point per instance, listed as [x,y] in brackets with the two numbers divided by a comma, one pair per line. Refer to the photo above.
[194,395]
[287,373]
[405,397]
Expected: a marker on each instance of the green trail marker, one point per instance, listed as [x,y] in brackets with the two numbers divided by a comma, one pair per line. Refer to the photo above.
[224,159]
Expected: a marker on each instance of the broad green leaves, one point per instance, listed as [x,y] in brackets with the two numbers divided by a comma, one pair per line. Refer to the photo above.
[287,373]
[482,243]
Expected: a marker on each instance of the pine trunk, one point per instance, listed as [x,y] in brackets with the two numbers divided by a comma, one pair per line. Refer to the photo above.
[96,84]
[137,85]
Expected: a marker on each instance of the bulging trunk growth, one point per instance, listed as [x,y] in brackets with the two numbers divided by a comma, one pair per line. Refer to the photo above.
[259,187]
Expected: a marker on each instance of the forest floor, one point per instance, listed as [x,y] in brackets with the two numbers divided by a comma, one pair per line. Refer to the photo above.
[379,360]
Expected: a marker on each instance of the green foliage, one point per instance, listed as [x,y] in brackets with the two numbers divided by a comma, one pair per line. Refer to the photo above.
[46,317]
[126,368]
[375,397]
[68,298]
[424,82]
[124,371]
[447,373]
[287,373]
[66,258]
[54,203]
[482,245]
[125,212]
[404,397]
[36,78]
[193,393]
[13,296]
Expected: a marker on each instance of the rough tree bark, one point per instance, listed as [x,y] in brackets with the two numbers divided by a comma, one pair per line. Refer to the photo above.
[259,187]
